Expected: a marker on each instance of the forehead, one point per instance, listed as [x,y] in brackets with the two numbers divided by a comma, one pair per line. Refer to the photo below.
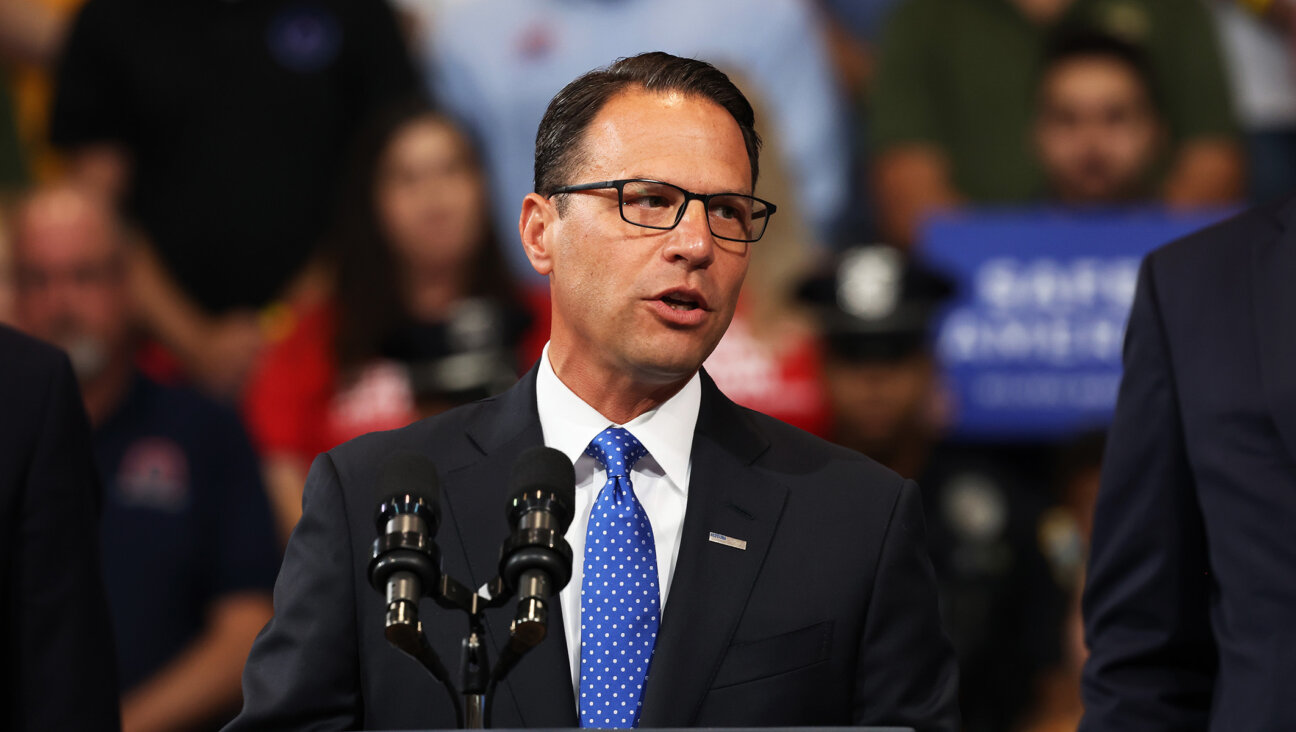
[1094,76]
[428,134]
[680,138]
[62,230]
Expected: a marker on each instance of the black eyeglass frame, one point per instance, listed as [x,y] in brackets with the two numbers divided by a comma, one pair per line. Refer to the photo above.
[705,198]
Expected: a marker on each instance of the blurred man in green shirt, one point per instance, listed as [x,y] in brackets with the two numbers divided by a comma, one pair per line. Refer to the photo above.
[953,107]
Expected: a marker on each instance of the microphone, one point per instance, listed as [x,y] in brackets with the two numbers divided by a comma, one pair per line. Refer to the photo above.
[406,564]
[536,560]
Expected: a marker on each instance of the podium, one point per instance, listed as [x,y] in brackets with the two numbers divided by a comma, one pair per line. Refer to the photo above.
[719,729]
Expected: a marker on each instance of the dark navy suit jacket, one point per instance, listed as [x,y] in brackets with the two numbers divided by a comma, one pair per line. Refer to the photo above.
[57,670]
[827,617]
[1190,606]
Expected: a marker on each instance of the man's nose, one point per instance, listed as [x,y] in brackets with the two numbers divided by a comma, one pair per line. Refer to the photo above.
[691,241]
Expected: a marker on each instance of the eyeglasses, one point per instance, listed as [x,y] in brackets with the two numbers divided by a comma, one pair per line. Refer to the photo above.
[653,204]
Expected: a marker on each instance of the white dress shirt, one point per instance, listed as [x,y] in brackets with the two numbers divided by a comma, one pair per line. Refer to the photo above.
[660,478]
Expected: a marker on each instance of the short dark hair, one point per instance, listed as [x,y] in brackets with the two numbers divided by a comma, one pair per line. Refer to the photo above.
[559,142]
[1074,45]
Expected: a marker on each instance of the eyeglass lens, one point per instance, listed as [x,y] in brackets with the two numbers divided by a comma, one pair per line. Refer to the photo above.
[657,205]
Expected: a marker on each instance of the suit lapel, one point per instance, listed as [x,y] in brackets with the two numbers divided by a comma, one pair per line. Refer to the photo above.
[475,494]
[1275,316]
[712,582]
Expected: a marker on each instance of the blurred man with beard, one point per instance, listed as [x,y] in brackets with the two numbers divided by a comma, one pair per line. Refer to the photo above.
[188,545]
[1098,132]
[998,604]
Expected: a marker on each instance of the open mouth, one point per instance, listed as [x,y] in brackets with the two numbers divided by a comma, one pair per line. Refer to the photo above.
[678,301]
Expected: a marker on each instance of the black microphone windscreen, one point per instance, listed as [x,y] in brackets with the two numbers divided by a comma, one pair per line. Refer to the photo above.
[547,469]
[409,473]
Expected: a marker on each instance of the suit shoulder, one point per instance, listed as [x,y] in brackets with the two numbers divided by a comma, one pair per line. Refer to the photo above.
[31,373]
[1211,268]
[25,356]
[1220,244]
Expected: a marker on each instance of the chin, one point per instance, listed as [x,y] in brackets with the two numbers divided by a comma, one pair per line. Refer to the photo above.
[667,370]
[665,362]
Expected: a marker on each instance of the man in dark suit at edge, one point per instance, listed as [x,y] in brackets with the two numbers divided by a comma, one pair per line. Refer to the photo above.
[800,591]
[56,646]
[1190,596]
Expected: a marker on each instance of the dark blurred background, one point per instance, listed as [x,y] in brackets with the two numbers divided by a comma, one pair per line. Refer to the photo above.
[262,227]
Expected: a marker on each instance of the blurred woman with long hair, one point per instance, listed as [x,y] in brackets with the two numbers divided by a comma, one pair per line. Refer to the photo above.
[423,315]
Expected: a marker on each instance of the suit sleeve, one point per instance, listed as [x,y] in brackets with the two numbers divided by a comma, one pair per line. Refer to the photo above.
[1152,659]
[908,674]
[303,671]
[62,627]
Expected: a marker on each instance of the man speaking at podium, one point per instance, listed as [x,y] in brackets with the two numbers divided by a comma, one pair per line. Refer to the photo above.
[762,576]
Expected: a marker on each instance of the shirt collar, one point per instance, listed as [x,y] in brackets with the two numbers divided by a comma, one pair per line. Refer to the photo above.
[666,431]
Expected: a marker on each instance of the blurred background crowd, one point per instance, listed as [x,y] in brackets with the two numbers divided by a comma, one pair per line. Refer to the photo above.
[262,227]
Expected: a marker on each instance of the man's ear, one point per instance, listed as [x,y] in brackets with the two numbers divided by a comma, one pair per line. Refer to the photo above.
[535,226]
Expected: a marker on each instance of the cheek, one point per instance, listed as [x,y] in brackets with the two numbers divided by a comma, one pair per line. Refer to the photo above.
[840,391]
[1123,148]
[915,390]
[1056,146]
[1139,144]
[583,283]
[32,310]
[397,211]
[451,192]
[102,308]
[470,194]
[589,258]
[732,275]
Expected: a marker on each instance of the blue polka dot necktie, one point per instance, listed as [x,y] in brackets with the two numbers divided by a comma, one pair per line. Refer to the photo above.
[620,605]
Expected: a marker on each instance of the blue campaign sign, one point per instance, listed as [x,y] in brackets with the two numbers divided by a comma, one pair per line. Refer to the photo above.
[1031,344]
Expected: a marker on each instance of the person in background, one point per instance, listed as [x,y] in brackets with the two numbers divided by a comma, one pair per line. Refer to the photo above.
[1098,132]
[1259,42]
[219,126]
[31,37]
[875,308]
[6,266]
[853,29]
[189,554]
[952,105]
[536,47]
[57,670]
[1065,534]
[424,314]
[13,168]
[28,34]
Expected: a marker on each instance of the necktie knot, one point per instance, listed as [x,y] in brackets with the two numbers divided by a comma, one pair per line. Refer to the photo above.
[616,450]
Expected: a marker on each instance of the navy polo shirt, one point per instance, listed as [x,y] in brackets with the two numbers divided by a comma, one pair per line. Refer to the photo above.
[185,521]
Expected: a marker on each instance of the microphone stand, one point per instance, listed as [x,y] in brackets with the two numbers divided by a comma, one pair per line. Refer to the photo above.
[474,662]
